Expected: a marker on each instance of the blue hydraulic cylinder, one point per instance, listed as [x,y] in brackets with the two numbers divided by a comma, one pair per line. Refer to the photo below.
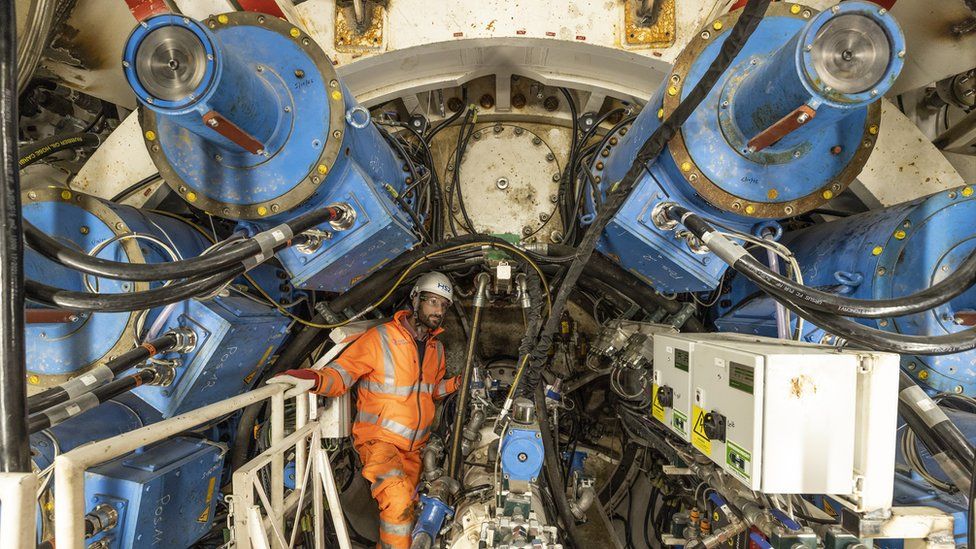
[785,129]
[880,254]
[234,336]
[245,118]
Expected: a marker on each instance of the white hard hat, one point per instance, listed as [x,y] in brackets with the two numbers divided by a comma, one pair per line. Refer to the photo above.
[435,283]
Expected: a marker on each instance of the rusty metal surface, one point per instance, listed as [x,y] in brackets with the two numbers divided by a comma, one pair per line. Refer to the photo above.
[349,38]
[232,131]
[782,127]
[659,34]
[718,196]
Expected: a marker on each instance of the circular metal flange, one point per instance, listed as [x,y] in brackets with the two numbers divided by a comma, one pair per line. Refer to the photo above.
[926,246]
[508,175]
[715,194]
[133,253]
[318,170]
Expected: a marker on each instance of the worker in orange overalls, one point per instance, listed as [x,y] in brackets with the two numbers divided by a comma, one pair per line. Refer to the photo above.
[400,368]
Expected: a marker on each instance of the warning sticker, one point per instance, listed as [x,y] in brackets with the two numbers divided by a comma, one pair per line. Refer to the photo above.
[680,422]
[656,409]
[738,460]
[205,515]
[698,437]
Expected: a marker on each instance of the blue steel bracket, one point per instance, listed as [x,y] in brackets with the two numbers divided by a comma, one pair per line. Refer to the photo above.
[433,512]
[522,455]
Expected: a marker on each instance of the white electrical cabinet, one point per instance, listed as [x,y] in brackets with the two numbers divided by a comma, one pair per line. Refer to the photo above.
[784,417]
[671,391]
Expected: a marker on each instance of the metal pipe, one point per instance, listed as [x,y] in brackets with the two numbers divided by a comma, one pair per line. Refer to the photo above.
[14,451]
[479,302]
[782,317]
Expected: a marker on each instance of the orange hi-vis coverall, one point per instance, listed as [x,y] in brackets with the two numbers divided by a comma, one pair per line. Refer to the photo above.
[395,408]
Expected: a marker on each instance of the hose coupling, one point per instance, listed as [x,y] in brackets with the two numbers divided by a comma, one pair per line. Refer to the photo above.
[346,217]
[164,375]
[661,218]
[314,238]
[102,518]
[186,340]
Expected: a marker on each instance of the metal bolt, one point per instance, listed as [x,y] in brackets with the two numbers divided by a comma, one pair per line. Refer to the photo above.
[498,128]
[613,141]
[487,101]
[957,388]
[553,198]
[218,157]
[213,122]
[84,229]
[518,131]
[599,165]
[550,157]
[543,217]
[337,134]
[32,195]
[260,68]
[556,236]
[125,63]
[705,35]
[883,323]
[455,209]
[455,104]
[551,103]
[526,230]
[802,118]
[555,177]
[836,149]
[476,136]
[275,207]
[299,73]
[502,183]
[518,101]
[882,271]
[797,154]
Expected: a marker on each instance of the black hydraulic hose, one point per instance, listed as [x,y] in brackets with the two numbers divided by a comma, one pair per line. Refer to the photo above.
[100,374]
[14,447]
[464,393]
[945,290]
[748,20]
[879,340]
[133,301]
[912,398]
[37,150]
[124,193]
[552,472]
[265,243]
[53,416]
[451,119]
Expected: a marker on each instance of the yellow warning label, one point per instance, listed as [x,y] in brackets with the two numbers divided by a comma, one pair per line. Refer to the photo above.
[698,437]
[656,409]
[828,508]
[205,515]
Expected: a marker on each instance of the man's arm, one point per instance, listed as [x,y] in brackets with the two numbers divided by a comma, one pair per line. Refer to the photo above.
[338,376]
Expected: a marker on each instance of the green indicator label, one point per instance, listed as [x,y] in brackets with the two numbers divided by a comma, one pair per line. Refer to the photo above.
[679,421]
[738,459]
[681,359]
[741,377]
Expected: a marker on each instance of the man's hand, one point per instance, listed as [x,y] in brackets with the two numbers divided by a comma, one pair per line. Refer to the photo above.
[301,381]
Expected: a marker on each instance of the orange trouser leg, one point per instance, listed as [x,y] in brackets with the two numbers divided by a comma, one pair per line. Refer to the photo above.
[393,475]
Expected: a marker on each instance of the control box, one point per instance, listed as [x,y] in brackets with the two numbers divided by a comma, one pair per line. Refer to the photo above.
[784,417]
[672,389]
